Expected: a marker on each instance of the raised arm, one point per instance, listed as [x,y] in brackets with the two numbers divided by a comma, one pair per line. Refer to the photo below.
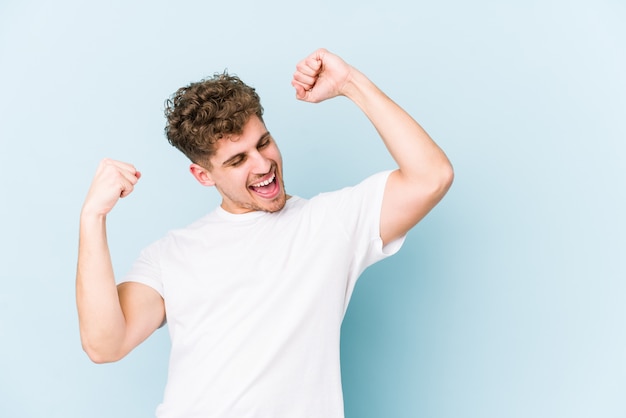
[112,320]
[424,173]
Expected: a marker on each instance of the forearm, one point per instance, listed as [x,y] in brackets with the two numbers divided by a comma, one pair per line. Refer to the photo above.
[101,320]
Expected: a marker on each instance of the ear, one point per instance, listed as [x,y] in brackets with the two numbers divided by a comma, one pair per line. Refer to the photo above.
[201,174]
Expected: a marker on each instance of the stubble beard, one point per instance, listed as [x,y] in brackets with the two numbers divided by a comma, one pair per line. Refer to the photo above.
[272,206]
[278,202]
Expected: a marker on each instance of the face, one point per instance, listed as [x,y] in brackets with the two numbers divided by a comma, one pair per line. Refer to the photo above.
[246,170]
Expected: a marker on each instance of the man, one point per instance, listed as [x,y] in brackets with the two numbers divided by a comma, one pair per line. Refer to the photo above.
[254,292]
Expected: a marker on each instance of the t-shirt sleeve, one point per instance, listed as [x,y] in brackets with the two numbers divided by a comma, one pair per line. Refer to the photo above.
[359,209]
[147,269]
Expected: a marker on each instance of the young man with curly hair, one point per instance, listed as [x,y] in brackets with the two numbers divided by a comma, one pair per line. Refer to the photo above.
[254,292]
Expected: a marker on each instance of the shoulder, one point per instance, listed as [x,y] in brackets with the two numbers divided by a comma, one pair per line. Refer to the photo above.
[175,234]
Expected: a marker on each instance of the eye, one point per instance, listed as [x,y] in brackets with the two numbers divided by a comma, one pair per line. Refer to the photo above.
[237,161]
[264,143]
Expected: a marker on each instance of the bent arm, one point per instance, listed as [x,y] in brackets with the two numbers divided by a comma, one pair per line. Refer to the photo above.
[424,172]
[112,320]
[101,320]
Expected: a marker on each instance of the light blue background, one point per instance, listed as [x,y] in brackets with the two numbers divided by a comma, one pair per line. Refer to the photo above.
[507,301]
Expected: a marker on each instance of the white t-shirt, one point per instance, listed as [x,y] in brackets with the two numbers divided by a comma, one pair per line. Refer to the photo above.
[254,304]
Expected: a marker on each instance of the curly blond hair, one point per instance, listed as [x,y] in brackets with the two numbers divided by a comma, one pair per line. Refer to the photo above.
[204,112]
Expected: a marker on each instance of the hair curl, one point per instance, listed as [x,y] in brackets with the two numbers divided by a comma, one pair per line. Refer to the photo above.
[204,112]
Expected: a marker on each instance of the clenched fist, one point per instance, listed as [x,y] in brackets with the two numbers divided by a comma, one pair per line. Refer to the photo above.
[113,180]
[320,76]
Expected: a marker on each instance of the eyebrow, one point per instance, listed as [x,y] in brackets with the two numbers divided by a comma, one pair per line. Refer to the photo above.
[232,159]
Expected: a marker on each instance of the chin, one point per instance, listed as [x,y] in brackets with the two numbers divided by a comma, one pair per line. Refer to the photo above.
[276,206]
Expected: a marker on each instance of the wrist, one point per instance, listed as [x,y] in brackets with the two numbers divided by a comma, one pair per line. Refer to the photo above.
[358,88]
[91,216]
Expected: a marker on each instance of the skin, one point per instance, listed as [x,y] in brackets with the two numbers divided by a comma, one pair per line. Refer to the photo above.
[424,173]
[113,320]
[241,162]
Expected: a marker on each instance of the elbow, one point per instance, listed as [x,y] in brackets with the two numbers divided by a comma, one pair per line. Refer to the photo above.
[443,180]
[428,186]
[447,177]
[98,355]
[102,358]
[97,359]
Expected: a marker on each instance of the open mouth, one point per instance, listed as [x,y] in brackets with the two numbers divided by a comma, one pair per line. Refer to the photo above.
[267,188]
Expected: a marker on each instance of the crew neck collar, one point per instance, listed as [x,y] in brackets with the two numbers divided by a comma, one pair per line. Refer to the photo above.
[238,217]
[241,217]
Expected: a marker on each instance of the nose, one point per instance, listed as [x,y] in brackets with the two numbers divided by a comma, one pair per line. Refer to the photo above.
[260,164]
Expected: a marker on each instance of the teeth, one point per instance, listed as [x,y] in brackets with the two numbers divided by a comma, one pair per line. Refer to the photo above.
[264,183]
